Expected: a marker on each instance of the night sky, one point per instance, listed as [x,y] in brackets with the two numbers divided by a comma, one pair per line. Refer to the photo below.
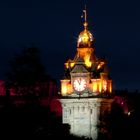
[54,25]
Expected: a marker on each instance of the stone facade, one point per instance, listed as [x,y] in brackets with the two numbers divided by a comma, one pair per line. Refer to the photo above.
[83,115]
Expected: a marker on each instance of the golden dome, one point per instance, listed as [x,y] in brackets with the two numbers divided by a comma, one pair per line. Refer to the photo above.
[85,38]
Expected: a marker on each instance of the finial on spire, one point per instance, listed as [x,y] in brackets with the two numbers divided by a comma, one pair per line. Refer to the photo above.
[85,13]
[85,17]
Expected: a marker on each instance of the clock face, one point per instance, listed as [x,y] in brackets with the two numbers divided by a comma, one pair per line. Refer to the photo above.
[79,84]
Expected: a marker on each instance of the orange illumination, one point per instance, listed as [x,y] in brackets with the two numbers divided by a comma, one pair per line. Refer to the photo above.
[84,38]
[64,87]
[87,60]
[72,64]
[110,87]
[100,86]
[67,65]
[69,88]
[104,85]
[94,85]
[100,65]
[64,90]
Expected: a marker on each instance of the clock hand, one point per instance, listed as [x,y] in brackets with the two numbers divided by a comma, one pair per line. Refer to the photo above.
[79,81]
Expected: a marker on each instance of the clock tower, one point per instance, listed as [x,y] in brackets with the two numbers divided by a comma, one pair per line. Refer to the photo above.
[86,88]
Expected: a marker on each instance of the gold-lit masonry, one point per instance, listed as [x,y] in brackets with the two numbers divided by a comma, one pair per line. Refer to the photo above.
[98,79]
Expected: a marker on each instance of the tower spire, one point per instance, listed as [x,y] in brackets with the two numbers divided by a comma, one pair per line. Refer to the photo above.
[85,13]
[85,38]
[85,18]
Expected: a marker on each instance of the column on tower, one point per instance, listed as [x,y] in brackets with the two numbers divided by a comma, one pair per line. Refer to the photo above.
[66,87]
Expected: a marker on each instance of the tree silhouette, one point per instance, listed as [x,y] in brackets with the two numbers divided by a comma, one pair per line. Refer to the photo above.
[27,74]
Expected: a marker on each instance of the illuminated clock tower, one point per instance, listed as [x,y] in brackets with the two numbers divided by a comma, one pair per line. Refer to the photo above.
[86,88]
